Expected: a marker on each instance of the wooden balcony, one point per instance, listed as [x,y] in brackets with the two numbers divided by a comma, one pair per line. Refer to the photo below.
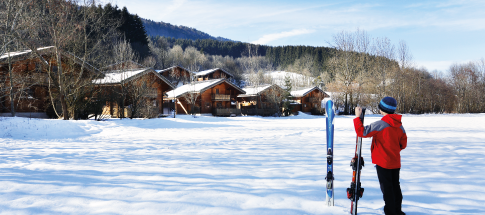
[220,97]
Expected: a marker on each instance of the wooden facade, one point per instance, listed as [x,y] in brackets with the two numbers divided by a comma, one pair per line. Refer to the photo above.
[176,75]
[308,100]
[30,81]
[206,97]
[213,74]
[154,88]
[266,99]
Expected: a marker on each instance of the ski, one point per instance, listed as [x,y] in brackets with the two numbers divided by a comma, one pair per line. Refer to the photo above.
[330,112]
[355,191]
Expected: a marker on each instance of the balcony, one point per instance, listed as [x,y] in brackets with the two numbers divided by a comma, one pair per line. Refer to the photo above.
[219,97]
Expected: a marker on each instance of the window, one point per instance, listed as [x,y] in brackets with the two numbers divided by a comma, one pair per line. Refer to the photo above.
[217,91]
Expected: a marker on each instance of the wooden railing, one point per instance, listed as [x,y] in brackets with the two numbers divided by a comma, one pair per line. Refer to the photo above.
[226,111]
[220,97]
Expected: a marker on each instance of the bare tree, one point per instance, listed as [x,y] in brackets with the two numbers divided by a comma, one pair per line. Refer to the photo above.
[78,34]
[193,59]
[175,56]
[12,18]
[385,52]
[405,60]
[191,98]
[123,53]
[275,96]
[465,79]
[304,66]
[346,65]
[139,97]
[160,49]
[228,63]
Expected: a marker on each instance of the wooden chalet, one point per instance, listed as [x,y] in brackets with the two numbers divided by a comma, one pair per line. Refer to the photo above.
[145,83]
[264,100]
[308,100]
[213,74]
[30,80]
[215,96]
[177,75]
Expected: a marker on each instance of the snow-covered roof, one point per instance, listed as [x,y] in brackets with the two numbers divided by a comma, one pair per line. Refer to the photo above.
[197,87]
[47,48]
[194,87]
[303,92]
[117,76]
[254,90]
[19,53]
[205,72]
[170,68]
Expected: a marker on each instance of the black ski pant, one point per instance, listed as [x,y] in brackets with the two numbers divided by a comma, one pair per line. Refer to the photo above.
[391,189]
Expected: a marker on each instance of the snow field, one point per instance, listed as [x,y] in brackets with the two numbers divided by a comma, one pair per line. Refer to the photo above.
[239,165]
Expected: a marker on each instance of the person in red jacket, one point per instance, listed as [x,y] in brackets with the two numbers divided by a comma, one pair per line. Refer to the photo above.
[388,139]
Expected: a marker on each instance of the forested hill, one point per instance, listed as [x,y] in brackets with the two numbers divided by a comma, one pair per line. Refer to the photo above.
[279,55]
[182,32]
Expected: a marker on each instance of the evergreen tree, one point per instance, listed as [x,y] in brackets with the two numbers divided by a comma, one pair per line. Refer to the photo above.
[287,108]
[134,32]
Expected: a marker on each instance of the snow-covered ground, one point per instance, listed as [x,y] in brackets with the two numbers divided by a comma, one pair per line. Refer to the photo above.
[239,165]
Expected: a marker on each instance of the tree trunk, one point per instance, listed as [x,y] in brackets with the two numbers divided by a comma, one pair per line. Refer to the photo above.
[65,112]
[346,111]
[11,95]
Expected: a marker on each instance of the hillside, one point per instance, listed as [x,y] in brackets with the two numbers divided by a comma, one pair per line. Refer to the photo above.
[180,32]
[279,55]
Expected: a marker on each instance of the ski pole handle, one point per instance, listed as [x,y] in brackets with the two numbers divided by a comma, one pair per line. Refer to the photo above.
[362,116]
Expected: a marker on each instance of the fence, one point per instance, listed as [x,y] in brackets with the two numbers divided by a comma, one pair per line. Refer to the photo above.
[259,112]
[226,112]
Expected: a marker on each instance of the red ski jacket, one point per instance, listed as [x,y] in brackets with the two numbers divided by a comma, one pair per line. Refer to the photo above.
[389,138]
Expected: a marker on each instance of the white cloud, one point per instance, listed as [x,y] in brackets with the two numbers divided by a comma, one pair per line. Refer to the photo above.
[272,37]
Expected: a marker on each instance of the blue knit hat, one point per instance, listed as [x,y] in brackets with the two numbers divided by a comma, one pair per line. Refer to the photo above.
[388,105]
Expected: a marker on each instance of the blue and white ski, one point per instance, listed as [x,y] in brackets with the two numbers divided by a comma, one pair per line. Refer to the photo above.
[330,112]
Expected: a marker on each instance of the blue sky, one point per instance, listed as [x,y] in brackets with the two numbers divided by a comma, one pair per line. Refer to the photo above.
[438,33]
